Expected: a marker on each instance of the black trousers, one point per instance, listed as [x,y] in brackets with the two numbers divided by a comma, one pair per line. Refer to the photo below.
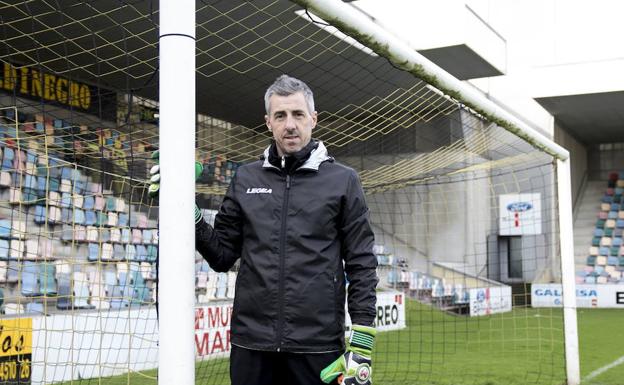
[255,367]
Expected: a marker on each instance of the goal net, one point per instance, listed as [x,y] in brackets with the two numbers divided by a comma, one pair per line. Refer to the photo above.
[464,209]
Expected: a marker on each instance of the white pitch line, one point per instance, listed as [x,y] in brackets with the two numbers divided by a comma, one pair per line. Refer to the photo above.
[599,371]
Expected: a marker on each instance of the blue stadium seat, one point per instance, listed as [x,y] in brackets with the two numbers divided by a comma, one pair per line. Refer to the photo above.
[123,220]
[147,236]
[7,159]
[119,252]
[79,216]
[125,235]
[80,185]
[66,215]
[141,253]
[94,252]
[5,228]
[152,253]
[30,279]
[89,202]
[613,261]
[131,254]
[66,200]
[34,308]
[603,250]
[47,281]
[54,184]
[620,224]
[615,206]
[612,215]
[111,203]
[90,218]
[67,173]
[598,232]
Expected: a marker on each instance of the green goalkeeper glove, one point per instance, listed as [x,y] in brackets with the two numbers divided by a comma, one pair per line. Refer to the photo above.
[154,181]
[354,366]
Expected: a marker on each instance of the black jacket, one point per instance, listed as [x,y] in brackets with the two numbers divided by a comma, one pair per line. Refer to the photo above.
[292,232]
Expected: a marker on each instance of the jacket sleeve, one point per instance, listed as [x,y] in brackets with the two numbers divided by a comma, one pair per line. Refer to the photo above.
[221,246]
[357,252]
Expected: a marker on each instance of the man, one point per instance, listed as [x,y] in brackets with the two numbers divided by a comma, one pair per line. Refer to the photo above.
[298,221]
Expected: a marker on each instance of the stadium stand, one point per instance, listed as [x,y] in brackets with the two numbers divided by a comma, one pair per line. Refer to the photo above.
[67,242]
[605,262]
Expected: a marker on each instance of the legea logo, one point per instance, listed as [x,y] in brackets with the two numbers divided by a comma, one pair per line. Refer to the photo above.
[518,207]
[259,190]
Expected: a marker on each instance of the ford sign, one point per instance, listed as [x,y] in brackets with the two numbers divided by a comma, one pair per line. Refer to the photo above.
[518,207]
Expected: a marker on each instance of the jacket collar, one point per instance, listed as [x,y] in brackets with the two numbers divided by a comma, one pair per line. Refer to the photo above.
[317,156]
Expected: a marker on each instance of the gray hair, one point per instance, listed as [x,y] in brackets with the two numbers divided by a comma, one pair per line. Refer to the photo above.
[286,85]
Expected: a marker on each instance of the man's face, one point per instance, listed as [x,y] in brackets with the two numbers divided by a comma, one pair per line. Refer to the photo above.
[290,122]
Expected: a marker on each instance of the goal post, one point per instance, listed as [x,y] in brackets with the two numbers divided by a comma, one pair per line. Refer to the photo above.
[470,206]
[382,42]
[177,117]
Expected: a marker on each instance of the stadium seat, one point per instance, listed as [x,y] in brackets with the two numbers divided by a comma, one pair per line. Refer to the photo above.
[64,294]
[98,291]
[5,228]
[66,201]
[66,186]
[18,229]
[94,252]
[4,249]
[152,253]
[598,232]
[591,260]
[603,250]
[120,205]
[122,220]
[142,254]
[125,235]
[54,215]
[79,217]
[613,261]
[600,223]
[115,234]
[47,281]
[111,203]
[605,241]
[112,219]
[92,234]
[54,198]
[620,224]
[40,215]
[99,203]
[89,202]
[32,248]
[608,232]
[16,249]
[102,218]
[119,252]
[5,179]
[90,218]
[131,254]
[590,279]
[104,234]
[107,252]
[78,200]
[610,223]
[81,291]
[612,215]
[601,260]
[13,309]
[137,236]
[67,233]
[45,248]
[34,308]
[147,236]
[3,271]
[30,279]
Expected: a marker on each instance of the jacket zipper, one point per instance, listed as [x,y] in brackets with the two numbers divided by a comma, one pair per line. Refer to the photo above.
[280,322]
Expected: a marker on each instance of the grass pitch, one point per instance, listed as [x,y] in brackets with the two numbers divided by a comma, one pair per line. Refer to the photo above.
[521,347]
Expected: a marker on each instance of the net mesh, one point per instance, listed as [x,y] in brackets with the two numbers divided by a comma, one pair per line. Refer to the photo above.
[78,239]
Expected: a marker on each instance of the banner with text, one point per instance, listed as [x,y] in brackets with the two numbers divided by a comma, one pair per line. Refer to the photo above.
[606,296]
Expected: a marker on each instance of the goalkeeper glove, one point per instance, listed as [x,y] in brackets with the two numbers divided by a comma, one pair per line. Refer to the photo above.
[354,366]
[154,181]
